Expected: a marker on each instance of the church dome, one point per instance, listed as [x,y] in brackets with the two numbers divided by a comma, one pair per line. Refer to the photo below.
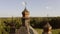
[25,12]
[47,25]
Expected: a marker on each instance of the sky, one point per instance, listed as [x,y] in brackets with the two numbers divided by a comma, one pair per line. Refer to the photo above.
[37,8]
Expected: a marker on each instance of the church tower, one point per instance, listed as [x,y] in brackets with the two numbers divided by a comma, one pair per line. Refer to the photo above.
[26,19]
[47,29]
[26,28]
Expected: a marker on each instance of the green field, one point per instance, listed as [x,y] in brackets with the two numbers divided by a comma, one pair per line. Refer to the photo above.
[54,31]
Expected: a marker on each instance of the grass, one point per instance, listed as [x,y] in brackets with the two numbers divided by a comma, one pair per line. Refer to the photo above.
[39,31]
[54,31]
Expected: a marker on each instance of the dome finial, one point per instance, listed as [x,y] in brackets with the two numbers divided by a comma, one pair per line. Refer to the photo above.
[24,4]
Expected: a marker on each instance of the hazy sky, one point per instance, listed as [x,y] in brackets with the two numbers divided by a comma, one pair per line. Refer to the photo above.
[36,7]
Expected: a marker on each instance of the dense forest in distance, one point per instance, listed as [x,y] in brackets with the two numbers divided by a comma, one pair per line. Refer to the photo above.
[36,22]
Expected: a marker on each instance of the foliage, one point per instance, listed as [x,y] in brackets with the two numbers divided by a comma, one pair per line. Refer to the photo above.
[54,31]
[36,22]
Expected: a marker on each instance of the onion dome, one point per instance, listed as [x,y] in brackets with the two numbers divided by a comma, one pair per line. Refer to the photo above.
[47,25]
[25,13]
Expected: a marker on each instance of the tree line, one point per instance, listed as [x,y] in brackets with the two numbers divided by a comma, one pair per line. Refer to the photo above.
[36,22]
[39,22]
